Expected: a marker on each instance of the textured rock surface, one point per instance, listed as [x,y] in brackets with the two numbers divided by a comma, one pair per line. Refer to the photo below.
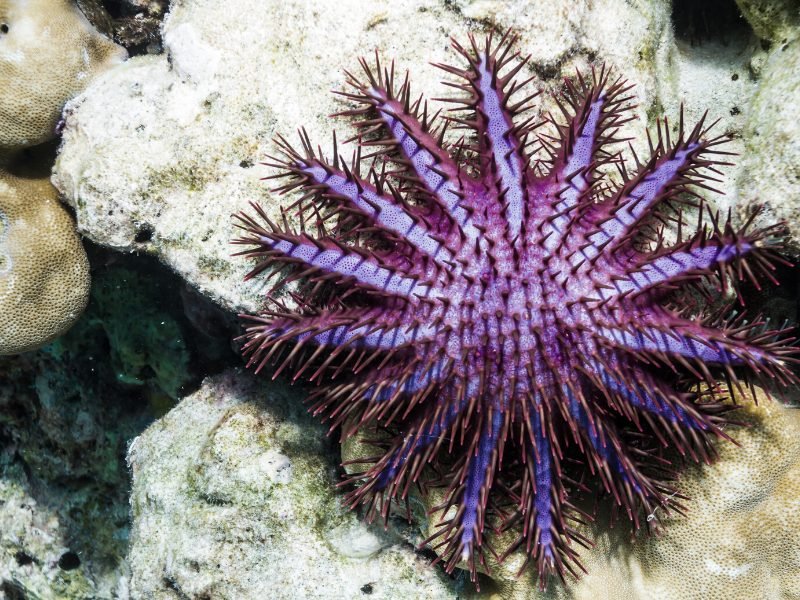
[738,539]
[233,497]
[771,162]
[774,20]
[50,52]
[166,178]
[44,272]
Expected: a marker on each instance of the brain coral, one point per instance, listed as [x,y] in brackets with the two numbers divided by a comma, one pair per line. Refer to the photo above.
[50,51]
[44,272]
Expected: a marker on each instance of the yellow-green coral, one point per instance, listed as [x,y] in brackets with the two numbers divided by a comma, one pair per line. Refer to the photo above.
[44,272]
[48,54]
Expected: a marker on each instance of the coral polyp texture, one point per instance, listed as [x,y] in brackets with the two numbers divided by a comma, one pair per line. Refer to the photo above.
[497,310]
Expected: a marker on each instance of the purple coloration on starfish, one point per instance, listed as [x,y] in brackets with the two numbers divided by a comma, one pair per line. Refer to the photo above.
[500,303]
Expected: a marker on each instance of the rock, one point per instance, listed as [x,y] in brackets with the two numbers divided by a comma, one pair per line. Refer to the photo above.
[234,497]
[44,272]
[63,481]
[198,120]
[67,414]
[771,162]
[48,52]
[774,20]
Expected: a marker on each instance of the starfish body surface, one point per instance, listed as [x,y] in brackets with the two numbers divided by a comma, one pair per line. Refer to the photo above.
[497,304]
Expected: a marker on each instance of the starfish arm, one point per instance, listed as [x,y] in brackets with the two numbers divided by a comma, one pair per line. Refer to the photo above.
[343,188]
[696,347]
[686,341]
[673,169]
[605,452]
[548,530]
[402,464]
[596,109]
[420,149]
[641,391]
[387,212]
[726,254]
[420,378]
[542,506]
[464,510]
[327,259]
[684,263]
[339,331]
[501,142]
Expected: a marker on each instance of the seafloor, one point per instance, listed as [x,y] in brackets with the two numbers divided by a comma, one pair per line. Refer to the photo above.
[138,459]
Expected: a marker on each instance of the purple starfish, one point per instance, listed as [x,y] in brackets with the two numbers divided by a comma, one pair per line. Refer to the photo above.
[498,304]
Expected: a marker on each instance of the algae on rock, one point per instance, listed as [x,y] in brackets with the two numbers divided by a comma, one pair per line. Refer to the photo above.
[771,161]
[234,496]
[63,483]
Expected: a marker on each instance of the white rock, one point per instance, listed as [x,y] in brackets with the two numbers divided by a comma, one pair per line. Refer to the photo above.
[202,528]
[171,144]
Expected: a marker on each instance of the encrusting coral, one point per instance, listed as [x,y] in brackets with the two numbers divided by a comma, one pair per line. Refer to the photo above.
[503,309]
[44,271]
[49,52]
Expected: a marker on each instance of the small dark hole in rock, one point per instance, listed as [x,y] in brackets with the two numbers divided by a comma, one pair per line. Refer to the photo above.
[735,77]
[735,111]
[366,589]
[3,27]
[69,561]
[23,558]
[144,235]
[246,164]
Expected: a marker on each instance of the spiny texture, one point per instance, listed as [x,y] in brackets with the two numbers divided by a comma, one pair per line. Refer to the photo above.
[496,309]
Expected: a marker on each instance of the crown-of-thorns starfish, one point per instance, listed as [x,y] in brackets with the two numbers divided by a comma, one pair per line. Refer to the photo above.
[498,304]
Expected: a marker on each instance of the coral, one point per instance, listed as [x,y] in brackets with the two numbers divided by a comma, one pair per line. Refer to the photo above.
[44,272]
[503,306]
[234,497]
[50,52]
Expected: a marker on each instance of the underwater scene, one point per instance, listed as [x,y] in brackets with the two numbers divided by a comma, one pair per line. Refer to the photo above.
[426,299]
